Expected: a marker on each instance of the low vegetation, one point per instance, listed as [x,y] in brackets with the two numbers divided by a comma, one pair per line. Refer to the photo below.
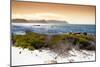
[56,43]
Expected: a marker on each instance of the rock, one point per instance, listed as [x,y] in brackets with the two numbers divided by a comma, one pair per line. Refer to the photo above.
[20,52]
[40,50]
[71,60]
[56,57]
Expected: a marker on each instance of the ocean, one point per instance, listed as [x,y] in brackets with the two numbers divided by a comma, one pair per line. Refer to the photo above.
[19,29]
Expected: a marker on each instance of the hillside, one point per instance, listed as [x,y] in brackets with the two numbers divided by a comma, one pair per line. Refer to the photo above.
[38,21]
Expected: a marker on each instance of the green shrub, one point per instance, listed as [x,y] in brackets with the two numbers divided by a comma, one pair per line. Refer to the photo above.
[36,41]
[30,40]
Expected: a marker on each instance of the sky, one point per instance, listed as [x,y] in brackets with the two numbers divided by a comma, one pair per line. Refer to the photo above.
[73,14]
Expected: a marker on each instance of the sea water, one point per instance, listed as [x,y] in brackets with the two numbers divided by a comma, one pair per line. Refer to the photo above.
[53,29]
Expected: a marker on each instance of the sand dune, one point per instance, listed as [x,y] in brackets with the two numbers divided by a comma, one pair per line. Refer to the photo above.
[26,57]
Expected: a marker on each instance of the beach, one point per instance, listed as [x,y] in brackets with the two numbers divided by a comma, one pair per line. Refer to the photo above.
[46,56]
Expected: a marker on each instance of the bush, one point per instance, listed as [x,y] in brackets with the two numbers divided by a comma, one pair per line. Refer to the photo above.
[30,40]
[37,41]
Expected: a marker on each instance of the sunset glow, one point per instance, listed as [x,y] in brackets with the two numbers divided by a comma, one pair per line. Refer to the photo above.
[74,14]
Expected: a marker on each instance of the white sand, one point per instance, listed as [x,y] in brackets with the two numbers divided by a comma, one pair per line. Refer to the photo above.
[36,57]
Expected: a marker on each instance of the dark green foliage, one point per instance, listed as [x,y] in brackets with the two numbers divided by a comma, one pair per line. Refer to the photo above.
[82,41]
[36,41]
[85,33]
[30,40]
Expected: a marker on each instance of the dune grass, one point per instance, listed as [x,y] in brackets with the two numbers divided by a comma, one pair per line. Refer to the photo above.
[62,42]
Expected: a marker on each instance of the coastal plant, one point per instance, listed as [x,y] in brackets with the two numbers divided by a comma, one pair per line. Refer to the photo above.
[33,41]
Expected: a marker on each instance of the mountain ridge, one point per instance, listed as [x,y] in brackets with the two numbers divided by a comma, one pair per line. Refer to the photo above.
[37,21]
